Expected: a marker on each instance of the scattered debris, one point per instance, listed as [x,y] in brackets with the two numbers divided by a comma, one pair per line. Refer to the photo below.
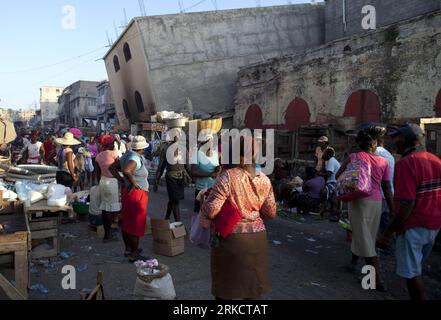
[277,243]
[289,236]
[319,247]
[311,251]
[317,285]
[82,268]
[40,288]
[67,254]
[68,236]
[310,239]
[329,232]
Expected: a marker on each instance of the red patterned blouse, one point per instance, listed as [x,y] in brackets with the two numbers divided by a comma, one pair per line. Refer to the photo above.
[253,197]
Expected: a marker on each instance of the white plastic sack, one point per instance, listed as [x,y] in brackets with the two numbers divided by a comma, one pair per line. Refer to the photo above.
[35,196]
[56,190]
[59,201]
[158,289]
[8,194]
[27,190]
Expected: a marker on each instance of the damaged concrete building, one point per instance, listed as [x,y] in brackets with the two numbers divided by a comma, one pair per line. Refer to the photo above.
[390,74]
[162,62]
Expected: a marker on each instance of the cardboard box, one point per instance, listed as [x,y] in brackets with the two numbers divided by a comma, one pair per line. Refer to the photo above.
[168,241]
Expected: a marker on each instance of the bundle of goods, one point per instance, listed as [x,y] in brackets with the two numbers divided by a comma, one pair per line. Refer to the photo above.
[154,281]
[163,116]
[36,173]
[30,193]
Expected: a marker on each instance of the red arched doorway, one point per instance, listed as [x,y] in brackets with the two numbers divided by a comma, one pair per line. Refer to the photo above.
[438,105]
[364,105]
[254,117]
[297,115]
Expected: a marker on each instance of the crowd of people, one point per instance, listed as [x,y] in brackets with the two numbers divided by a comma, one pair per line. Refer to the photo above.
[401,213]
[402,210]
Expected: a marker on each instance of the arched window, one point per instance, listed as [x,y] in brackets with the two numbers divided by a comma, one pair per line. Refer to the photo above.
[254,117]
[126,109]
[365,106]
[127,52]
[297,115]
[139,102]
[116,63]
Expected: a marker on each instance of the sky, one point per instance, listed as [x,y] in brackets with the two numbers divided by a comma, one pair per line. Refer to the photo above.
[41,45]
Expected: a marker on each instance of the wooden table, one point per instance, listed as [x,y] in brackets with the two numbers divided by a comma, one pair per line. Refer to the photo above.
[17,241]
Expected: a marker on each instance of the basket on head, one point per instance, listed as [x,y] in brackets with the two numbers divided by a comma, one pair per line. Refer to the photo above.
[215,125]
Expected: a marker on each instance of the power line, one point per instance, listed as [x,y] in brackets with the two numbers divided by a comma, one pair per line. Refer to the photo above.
[195,5]
[54,64]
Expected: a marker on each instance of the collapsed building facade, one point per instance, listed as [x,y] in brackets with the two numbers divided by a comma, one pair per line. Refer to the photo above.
[162,62]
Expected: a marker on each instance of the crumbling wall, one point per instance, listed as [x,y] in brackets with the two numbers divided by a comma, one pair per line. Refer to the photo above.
[400,64]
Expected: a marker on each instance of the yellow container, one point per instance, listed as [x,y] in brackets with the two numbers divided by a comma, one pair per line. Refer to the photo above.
[215,125]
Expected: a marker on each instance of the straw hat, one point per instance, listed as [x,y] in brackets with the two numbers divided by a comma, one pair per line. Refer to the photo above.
[68,140]
[139,143]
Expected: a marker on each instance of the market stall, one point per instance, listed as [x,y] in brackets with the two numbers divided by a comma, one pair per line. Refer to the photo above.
[15,241]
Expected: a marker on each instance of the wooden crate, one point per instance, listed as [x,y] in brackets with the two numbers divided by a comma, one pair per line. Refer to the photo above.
[46,229]
[45,225]
[17,241]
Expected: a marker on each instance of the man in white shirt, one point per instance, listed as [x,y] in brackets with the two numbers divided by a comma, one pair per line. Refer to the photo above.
[384,153]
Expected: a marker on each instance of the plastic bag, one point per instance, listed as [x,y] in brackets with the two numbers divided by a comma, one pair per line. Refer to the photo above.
[158,289]
[28,191]
[57,201]
[88,165]
[355,182]
[56,190]
[199,235]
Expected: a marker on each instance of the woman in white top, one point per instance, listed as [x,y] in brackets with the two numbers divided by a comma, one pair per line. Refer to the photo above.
[34,150]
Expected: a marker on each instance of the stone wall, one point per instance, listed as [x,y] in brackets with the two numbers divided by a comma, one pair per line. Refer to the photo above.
[400,64]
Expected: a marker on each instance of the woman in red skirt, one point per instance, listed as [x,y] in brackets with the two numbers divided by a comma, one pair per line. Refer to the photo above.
[134,196]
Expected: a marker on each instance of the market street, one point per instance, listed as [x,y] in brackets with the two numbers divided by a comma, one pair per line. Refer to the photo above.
[301,268]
